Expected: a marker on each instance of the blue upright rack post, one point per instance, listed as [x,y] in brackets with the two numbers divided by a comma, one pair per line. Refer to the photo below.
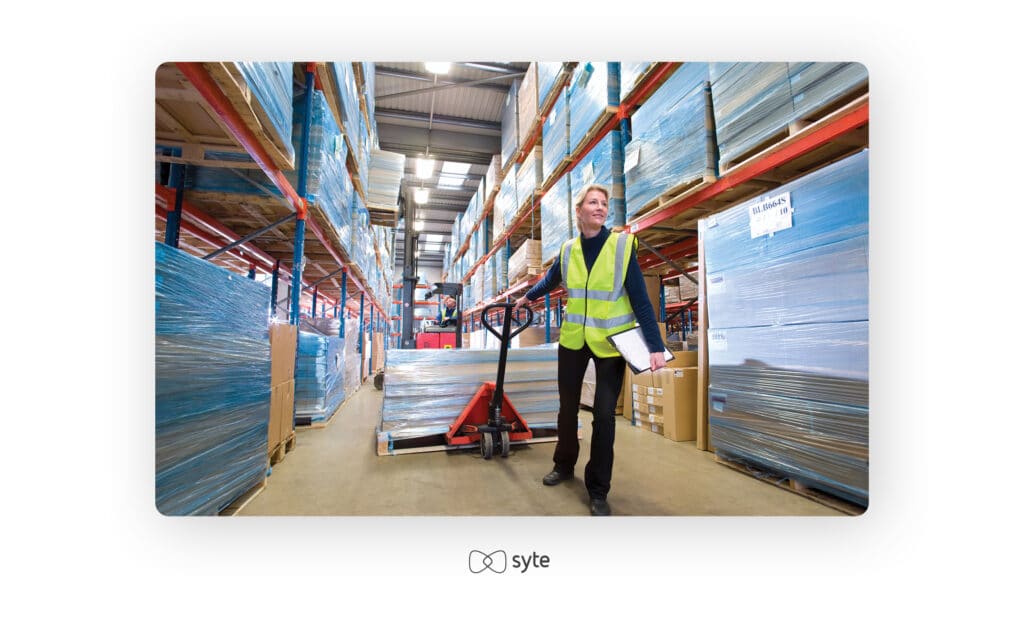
[371,340]
[547,317]
[300,223]
[344,292]
[661,301]
[273,290]
[617,204]
[362,307]
[312,309]
[176,180]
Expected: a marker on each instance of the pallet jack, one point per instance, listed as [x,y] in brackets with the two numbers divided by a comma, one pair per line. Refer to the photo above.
[490,418]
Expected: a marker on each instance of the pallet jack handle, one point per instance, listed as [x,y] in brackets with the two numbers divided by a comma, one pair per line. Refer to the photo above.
[505,336]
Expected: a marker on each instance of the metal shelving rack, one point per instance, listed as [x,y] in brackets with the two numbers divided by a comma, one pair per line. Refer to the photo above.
[171,206]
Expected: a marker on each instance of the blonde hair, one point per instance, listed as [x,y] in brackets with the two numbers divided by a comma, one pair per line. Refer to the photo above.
[583,195]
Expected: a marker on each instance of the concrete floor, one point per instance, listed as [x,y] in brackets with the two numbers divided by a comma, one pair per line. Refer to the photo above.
[336,471]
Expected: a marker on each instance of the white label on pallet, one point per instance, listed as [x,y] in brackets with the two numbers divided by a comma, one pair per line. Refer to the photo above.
[770,215]
[716,284]
[588,174]
[717,341]
[632,156]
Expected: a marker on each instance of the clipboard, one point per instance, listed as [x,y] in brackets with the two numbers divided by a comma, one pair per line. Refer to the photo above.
[633,347]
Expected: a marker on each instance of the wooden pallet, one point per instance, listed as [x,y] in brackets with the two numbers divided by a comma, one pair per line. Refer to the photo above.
[243,500]
[525,275]
[278,453]
[793,128]
[674,194]
[793,485]
[386,446]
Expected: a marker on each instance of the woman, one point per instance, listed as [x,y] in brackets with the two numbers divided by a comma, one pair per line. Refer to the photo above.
[606,294]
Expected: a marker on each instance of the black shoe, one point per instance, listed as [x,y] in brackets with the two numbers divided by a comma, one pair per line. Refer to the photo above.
[556,477]
[599,507]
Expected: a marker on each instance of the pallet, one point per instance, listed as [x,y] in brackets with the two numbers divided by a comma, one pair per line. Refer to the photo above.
[793,485]
[278,453]
[243,500]
[525,275]
[674,194]
[793,128]
[386,446]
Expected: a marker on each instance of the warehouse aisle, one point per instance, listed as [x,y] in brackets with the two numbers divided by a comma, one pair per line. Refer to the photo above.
[336,471]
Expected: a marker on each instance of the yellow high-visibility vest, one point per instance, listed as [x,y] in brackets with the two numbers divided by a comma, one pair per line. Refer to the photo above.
[598,305]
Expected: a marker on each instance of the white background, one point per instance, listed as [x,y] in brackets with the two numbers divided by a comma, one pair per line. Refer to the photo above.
[82,540]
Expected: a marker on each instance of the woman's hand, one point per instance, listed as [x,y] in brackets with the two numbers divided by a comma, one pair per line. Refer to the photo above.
[522,301]
[657,361]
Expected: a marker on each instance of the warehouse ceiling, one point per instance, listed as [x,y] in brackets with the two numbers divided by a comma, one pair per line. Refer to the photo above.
[455,118]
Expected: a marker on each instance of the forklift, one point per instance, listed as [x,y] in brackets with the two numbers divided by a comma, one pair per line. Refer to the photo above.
[443,337]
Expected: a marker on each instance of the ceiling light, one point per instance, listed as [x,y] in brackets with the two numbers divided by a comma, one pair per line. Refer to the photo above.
[417,225]
[424,168]
[421,195]
[438,68]
[455,168]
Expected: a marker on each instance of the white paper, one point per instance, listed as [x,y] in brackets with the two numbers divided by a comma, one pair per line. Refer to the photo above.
[633,348]
[716,284]
[717,341]
[632,157]
[588,174]
[770,215]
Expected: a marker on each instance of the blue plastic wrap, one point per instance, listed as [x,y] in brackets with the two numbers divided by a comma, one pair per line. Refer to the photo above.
[815,84]
[828,205]
[547,74]
[825,445]
[529,176]
[555,134]
[385,178]
[212,355]
[500,270]
[319,375]
[271,84]
[630,73]
[822,284]
[345,76]
[793,396]
[588,99]
[488,281]
[507,202]
[490,180]
[510,124]
[596,168]
[557,223]
[673,141]
[369,92]
[426,390]
[752,102]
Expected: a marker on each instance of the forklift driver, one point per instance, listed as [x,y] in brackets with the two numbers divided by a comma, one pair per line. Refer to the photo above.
[447,316]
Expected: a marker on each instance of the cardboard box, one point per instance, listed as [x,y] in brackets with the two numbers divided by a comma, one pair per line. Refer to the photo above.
[284,340]
[669,397]
[282,411]
[528,102]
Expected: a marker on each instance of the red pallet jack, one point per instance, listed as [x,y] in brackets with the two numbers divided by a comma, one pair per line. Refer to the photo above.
[490,418]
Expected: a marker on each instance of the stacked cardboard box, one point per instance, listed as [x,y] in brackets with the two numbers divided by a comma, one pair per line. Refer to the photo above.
[665,401]
[526,260]
[284,340]
[528,103]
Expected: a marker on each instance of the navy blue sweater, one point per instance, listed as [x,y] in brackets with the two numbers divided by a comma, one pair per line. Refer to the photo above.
[635,288]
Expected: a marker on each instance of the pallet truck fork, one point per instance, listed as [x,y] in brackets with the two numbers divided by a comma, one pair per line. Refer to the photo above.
[490,418]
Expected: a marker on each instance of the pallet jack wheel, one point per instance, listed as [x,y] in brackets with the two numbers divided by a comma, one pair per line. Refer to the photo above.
[487,445]
[504,444]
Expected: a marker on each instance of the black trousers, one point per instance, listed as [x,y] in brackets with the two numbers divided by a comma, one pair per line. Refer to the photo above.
[572,365]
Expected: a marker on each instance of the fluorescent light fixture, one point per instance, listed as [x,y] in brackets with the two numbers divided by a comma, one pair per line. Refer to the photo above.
[433,238]
[431,247]
[425,167]
[417,225]
[421,196]
[438,68]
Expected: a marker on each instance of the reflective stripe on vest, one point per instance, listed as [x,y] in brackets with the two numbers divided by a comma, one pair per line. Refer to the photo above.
[598,305]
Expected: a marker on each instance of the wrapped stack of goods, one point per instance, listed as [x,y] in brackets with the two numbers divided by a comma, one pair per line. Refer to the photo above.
[629,74]
[557,219]
[271,87]
[596,168]
[212,384]
[426,390]
[673,143]
[787,294]
[588,101]
[385,179]
[756,104]
[510,125]
[555,134]
[319,371]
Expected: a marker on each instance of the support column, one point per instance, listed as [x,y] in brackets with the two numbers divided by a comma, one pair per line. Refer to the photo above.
[273,290]
[300,221]
[362,307]
[547,318]
[177,182]
[312,309]
[344,293]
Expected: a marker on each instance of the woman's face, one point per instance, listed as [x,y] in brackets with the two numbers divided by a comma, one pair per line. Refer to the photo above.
[593,212]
